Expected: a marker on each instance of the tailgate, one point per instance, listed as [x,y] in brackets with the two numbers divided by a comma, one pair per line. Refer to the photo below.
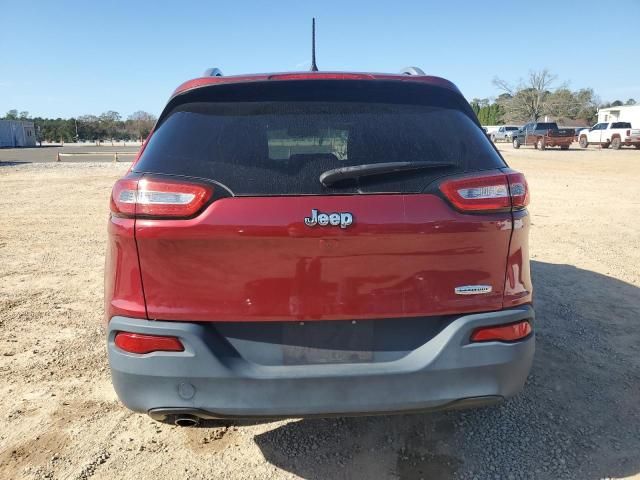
[254,259]
[266,146]
[561,132]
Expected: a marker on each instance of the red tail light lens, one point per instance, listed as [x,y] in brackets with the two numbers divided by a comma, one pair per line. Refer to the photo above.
[123,196]
[485,192]
[150,197]
[479,193]
[519,189]
[139,343]
[502,333]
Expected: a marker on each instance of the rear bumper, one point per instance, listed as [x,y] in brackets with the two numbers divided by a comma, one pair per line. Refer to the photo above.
[445,372]
[558,141]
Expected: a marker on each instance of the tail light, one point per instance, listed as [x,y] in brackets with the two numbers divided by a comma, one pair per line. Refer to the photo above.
[502,333]
[628,133]
[518,189]
[485,192]
[139,343]
[150,197]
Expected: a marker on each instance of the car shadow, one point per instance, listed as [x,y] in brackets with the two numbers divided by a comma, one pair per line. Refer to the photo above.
[578,416]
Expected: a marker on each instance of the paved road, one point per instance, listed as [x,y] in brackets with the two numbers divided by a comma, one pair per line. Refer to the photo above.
[49,153]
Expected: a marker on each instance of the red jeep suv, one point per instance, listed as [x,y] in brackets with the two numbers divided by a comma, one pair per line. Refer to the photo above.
[317,243]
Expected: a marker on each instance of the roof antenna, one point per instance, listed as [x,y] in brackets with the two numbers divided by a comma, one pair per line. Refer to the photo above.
[314,67]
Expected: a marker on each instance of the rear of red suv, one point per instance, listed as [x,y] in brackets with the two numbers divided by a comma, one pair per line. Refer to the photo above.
[317,244]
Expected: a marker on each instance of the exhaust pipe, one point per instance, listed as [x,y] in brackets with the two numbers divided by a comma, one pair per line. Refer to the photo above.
[187,421]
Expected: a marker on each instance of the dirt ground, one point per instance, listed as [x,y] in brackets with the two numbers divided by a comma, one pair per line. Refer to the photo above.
[578,417]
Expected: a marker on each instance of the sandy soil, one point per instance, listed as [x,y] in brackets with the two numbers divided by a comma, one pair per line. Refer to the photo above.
[579,416]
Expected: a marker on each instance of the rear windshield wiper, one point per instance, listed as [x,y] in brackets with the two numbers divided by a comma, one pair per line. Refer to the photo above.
[347,173]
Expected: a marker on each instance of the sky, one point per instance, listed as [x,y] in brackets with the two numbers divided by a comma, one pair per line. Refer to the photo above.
[67,58]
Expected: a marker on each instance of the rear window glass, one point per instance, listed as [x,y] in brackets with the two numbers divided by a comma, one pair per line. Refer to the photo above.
[621,125]
[282,146]
[511,128]
[546,126]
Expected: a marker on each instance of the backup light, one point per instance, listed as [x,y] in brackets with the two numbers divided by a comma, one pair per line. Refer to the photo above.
[156,198]
[493,191]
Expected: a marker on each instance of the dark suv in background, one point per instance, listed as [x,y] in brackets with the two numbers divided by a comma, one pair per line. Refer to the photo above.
[317,243]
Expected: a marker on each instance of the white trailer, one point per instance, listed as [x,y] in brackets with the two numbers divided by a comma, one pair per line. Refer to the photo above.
[623,113]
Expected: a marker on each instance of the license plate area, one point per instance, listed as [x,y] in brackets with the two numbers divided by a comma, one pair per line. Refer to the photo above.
[327,342]
[321,342]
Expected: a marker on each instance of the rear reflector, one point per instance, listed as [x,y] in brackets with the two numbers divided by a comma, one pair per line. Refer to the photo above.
[485,192]
[150,197]
[139,343]
[502,333]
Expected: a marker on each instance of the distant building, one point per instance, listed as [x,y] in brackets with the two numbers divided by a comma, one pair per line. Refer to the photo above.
[623,113]
[564,122]
[17,133]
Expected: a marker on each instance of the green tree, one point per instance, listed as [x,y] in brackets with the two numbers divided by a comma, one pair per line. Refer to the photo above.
[487,113]
[11,115]
[110,121]
[89,128]
[631,101]
[564,104]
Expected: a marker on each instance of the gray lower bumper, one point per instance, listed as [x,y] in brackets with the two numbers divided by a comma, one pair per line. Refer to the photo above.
[440,373]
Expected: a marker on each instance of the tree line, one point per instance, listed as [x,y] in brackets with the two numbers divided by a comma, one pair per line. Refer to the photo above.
[109,126]
[538,96]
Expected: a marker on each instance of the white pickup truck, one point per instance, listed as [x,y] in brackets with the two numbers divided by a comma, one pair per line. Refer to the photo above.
[615,134]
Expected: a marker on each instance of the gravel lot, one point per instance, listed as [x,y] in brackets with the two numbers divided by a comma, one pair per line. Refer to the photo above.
[579,416]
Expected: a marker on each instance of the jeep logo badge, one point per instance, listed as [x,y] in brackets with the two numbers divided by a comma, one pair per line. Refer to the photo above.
[344,219]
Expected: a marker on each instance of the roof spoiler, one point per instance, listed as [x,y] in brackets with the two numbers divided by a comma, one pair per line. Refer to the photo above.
[216,72]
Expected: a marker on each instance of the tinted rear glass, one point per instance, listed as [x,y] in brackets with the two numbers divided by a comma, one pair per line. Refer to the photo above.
[511,128]
[621,125]
[546,126]
[281,142]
